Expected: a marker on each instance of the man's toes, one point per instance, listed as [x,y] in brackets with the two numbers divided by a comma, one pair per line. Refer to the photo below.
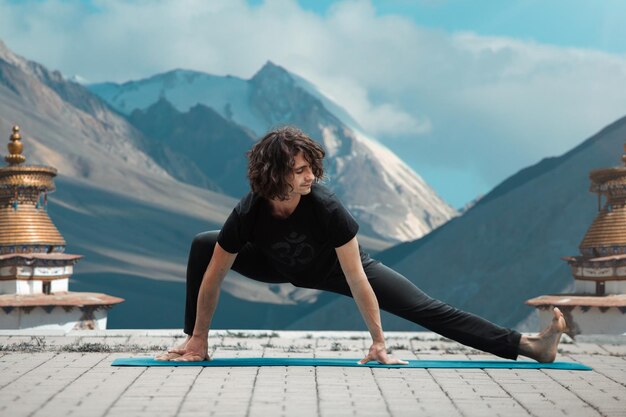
[168,356]
[191,358]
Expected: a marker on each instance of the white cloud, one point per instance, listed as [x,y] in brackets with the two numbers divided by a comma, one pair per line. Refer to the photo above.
[483,104]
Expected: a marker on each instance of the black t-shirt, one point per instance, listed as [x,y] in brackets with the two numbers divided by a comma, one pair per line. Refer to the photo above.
[301,247]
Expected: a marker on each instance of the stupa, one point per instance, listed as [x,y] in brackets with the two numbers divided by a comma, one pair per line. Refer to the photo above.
[34,268]
[598,304]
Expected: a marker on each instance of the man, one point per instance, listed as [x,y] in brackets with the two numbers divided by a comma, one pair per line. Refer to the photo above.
[291,229]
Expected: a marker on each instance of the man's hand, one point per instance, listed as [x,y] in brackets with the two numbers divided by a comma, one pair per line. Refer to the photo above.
[378,353]
[196,349]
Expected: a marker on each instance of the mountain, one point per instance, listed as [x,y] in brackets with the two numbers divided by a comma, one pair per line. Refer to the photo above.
[390,201]
[118,203]
[117,206]
[507,248]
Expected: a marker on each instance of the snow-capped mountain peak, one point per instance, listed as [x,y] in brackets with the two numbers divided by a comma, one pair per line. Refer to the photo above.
[388,198]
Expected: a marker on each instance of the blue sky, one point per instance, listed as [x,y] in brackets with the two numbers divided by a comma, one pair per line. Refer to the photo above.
[466,92]
[576,23]
[590,25]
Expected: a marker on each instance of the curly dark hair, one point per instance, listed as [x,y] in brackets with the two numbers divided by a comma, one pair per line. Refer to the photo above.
[271,161]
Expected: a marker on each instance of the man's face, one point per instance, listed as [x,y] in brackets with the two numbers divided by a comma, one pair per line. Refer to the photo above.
[302,176]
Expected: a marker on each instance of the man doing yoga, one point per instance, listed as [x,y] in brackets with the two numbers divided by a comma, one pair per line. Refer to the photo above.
[289,228]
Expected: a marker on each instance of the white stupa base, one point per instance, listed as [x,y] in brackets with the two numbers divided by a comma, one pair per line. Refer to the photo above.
[57,319]
[32,286]
[592,321]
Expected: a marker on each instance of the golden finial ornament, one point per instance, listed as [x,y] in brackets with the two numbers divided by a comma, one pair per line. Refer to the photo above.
[15,156]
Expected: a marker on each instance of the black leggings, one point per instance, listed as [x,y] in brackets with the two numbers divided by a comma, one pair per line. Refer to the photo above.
[394,293]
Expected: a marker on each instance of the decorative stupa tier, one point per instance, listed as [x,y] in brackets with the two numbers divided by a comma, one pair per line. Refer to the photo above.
[598,304]
[34,270]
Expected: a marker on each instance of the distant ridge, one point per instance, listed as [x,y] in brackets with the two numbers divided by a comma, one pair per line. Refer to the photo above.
[199,146]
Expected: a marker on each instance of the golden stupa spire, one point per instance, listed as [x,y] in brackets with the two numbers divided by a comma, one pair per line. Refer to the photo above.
[15,156]
[24,223]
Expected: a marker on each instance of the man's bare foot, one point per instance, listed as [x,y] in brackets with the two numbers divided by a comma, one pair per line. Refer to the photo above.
[543,347]
[171,354]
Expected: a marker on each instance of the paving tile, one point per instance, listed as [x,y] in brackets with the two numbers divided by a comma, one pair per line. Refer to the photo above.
[582,347]
[618,350]
[57,382]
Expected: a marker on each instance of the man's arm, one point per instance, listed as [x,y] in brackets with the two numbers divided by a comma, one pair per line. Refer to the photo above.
[221,262]
[350,261]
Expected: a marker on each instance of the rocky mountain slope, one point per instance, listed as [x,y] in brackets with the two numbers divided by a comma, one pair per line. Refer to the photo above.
[508,247]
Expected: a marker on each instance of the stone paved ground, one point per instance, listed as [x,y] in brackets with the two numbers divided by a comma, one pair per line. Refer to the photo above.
[52,374]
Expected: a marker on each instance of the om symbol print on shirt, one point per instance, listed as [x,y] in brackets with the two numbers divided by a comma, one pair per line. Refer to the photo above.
[294,250]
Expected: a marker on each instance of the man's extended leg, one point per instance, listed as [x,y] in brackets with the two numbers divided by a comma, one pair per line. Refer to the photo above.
[399,296]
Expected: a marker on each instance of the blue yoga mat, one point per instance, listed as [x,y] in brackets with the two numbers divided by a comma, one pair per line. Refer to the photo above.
[233,362]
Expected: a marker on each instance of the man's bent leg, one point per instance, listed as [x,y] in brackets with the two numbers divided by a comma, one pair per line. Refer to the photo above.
[249,262]
[399,296]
